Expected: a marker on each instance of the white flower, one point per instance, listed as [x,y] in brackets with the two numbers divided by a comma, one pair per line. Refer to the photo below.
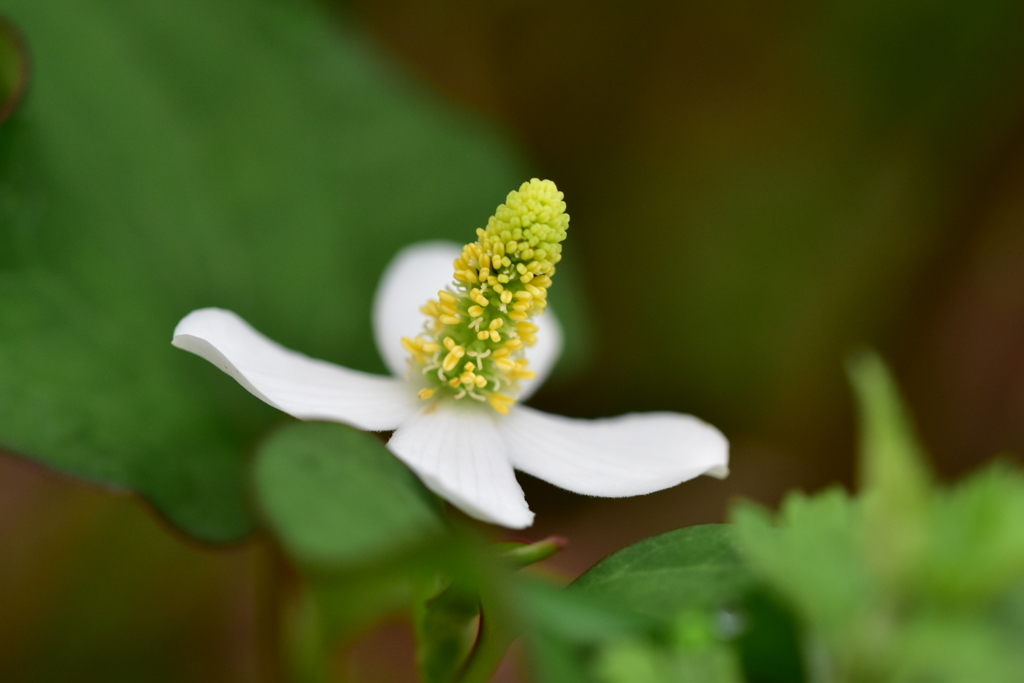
[463,450]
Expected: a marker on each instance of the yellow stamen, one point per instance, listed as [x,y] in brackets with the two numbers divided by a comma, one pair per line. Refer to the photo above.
[500,285]
[501,402]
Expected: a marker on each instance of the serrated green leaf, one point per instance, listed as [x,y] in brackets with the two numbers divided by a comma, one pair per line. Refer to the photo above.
[250,154]
[336,497]
[666,574]
[976,549]
[810,556]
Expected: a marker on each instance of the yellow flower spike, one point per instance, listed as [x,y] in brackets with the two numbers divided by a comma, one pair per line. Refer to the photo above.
[500,283]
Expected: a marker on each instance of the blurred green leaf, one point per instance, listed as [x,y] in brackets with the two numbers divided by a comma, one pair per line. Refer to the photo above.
[981,519]
[769,644]
[350,600]
[694,653]
[566,630]
[810,556]
[519,554]
[666,574]
[895,481]
[580,617]
[907,581]
[253,155]
[891,458]
[335,496]
[446,629]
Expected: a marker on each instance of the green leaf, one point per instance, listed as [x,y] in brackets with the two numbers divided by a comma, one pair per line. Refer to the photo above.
[446,629]
[666,574]
[567,628]
[981,519]
[602,625]
[335,496]
[769,644]
[810,556]
[891,456]
[895,479]
[695,654]
[255,155]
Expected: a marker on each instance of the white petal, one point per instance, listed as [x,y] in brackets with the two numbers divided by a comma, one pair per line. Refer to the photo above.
[544,353]
[613,457]
[459,454]
[303,387]
[414,276]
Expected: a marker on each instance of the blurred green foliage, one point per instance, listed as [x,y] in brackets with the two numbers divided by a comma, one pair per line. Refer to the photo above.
[335,496]
[907,581]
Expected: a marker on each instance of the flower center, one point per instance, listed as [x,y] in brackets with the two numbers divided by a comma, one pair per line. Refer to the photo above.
[473,344]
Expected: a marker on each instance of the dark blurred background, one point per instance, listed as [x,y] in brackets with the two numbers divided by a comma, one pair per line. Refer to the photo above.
[755,189]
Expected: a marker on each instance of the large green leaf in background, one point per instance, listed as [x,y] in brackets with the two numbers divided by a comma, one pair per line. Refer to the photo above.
[253,155]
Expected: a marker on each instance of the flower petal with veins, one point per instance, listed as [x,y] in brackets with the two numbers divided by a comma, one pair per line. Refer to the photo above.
[303,387]
[459,454]
[614,457]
